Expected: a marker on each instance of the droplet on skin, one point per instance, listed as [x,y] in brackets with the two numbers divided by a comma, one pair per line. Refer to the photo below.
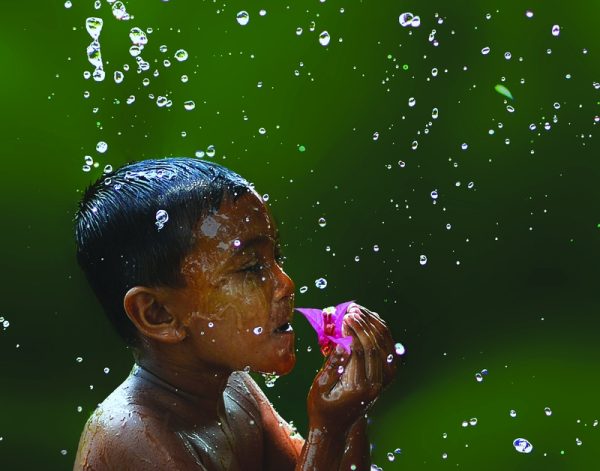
[258,330]
[242,18]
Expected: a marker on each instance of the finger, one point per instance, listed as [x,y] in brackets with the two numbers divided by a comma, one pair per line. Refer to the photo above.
[329,374]
[356,373]
[372,351]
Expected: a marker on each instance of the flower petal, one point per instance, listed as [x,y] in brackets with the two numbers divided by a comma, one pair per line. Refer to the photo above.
[340,312]
[344,342]
[315,317]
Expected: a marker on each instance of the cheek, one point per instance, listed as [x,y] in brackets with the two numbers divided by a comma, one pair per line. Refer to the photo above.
[243,300]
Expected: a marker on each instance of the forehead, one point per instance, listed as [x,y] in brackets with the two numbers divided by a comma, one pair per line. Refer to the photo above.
[231,226]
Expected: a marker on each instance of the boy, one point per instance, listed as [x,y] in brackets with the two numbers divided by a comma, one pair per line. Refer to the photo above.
[183,256]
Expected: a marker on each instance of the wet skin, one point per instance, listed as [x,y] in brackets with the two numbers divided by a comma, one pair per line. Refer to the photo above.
[191,407]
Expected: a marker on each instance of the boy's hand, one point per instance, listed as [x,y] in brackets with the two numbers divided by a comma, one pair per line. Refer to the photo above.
[348,384]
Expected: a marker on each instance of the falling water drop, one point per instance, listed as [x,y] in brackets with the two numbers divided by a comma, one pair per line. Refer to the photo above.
[324,38]
[243,18]
[161,218]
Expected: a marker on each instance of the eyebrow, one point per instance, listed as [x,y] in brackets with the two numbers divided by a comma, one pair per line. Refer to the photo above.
[257,240]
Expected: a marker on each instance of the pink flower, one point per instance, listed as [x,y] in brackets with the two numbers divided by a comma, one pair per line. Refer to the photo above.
[328,324]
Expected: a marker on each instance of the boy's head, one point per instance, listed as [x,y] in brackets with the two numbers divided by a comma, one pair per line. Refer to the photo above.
[181,254]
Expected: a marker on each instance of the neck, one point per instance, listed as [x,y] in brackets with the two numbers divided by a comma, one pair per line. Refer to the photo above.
[195,382]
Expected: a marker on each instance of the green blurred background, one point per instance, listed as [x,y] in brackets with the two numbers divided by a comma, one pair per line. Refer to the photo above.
[510,287]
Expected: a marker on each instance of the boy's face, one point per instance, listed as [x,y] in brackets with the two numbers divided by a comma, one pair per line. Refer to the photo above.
[237,296]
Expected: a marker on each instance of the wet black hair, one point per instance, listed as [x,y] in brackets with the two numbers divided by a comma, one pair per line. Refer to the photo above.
[134,226]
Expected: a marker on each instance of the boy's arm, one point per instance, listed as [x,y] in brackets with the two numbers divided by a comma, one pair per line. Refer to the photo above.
[357,451]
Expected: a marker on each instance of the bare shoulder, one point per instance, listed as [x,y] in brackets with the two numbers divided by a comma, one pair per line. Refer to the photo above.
[124,437]
[283,445]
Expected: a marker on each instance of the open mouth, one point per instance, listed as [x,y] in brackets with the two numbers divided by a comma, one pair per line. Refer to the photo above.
[284,328]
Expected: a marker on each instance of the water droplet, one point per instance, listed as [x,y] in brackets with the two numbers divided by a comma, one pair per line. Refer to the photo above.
[578,441]
[210,151]
[464,146]
[522,445]
[470,185]
[108,169]
[322,222]
[243,17]
[321,283]
[529,14]
[465,423]
[405,19]
[340,369]
[548,411]
[478,377]
[211,325]
[118,76]
[68,4]
[412,102]
[507,55]
[101,147]
[324,38]
[189,105]
[63,452]
[262,131]
[376,248]
[422,260]
[265,197]
[303,289]
[414,145]
[434,113]
[93,26]
[79,359]
[375,135]
[434,194]
[106,370]
[309,349]
[555,30]
[513,413]
[298,31]
[137,36]
[257,330]
[444,456]
[161,218]
[270,379]
[390,358]
[473,421]
[181,55]
[390,456]
[485,51]
[119,11]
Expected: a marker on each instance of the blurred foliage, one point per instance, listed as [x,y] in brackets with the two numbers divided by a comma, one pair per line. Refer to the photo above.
[508,287]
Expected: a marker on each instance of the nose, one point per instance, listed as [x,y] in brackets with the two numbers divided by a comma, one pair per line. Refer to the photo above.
[284,284]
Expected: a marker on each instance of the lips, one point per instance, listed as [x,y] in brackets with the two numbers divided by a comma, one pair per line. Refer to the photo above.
[284,328]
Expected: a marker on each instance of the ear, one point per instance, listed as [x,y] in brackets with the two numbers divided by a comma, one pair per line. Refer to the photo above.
[150,316]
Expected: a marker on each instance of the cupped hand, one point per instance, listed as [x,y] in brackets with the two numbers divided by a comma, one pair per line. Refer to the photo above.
[349,384]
